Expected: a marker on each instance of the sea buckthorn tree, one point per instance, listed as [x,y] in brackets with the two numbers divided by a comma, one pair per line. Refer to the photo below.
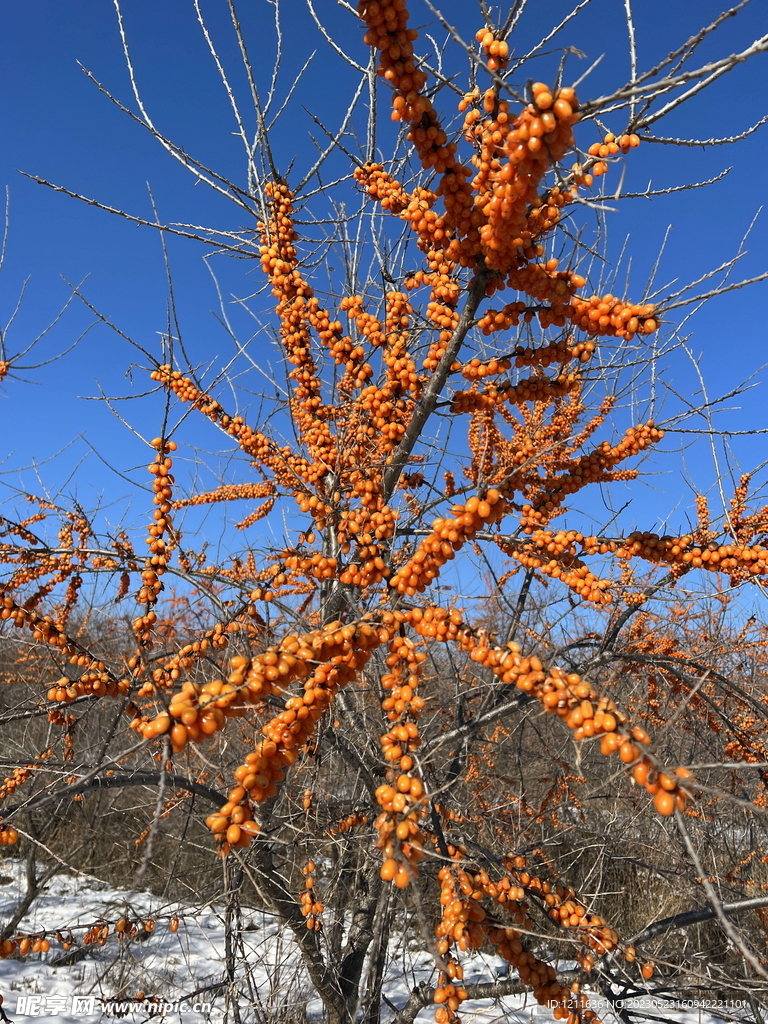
[428,696]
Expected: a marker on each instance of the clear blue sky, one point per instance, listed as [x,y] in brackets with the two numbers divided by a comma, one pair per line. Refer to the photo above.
[56,124]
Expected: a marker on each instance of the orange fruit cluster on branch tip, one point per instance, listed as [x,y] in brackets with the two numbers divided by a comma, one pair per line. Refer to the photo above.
[311,908]
[588,714]
[553,554]
[490,214]
[8,836]
[558,352]
[610,146]
[570,697]
[281,461]
[402,797]
[227,492]
[97,679]
[447,537]
[465,922]
[159,548]
[327,660]
[23,945]
[607,315]
[496,51]
[387,30]
[19,776]
[742,561]
[541,390]
[514,155]
[596,466]
[349,822]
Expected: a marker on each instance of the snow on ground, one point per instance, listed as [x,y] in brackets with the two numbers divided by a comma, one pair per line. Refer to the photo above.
[178,966]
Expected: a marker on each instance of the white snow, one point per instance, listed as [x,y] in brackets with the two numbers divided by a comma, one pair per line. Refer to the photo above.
[173,966]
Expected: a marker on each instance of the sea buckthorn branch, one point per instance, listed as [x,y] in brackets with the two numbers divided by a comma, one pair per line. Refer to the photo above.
[466,922]
[227,492]
[311,908]
[447,537]
[338,652]
[543,391]
[569,696]
[298,310]
[596,466]
[499,214]
[20,775]
[97,679]
[402,797]
[554,555]
[287,467]
[203,710]
[159,548]
[475,293]
[386,22]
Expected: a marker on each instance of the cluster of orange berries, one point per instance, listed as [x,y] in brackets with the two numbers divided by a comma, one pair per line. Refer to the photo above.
[562,351]
[23,945]
[386,22]
[513,158]
[315,506]
[338,653]
[42,627]
[443,624]
[171,668]
[311,908]
[8,836]
[565,1003]
[447,537]
[530,389]
[449,993]
[45,628]
[382,186]
[559,352]
[461,912]
[195,712]
[610,146]
[316,566]
[159,549]
[568,912]
[392,339]
[349,822]
[227,492]
[586,713]
[372,520]
[598,465]
[475,369]
[545,283]
[440,278]
[465,922]
[496,51]
[446,318]
[284,463]
[564,566]
[402,798]
[203,710]
[741,560]
[607,315]
[544,211]
[401,679]
[20,775]
[399,830]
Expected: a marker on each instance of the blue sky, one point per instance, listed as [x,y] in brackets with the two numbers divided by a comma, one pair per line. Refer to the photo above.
[56,124]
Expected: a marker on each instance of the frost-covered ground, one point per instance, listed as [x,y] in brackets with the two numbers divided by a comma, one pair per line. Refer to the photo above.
[180,967]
